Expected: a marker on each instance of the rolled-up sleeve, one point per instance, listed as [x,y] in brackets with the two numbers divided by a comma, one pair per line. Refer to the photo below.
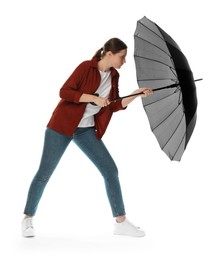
[116,106]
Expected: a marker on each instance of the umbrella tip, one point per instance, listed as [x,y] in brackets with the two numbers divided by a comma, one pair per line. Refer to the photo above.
[198,79]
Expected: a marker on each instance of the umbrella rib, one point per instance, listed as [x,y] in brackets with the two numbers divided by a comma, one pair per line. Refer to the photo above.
[172,157]
[179,146]
[174,132]
[136,36]
[157,79]
[157,61]
[151,30]
[167,117]
[174,72]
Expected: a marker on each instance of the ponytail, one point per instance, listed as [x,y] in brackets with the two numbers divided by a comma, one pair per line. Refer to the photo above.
[98,54]
[114,45]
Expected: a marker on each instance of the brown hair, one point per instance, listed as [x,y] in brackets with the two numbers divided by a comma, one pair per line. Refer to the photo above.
[114,45]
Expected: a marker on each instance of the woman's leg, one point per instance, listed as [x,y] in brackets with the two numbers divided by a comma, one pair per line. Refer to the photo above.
[54,146]
[96,151]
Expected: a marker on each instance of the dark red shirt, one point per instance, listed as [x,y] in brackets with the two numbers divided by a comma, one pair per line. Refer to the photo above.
[69,111]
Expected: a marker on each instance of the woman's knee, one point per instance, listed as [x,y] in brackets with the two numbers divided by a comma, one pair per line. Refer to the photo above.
[111,172]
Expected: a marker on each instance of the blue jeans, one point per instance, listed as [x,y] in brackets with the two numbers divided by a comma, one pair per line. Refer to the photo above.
[54,146]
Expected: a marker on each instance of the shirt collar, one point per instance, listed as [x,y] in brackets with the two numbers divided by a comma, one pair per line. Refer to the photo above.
[94,64]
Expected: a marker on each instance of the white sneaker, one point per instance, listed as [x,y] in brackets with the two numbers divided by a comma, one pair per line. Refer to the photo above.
[27,228]
[126,228]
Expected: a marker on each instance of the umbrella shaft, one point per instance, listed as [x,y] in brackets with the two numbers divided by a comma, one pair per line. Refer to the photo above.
[119,98]
[173,85]
[132,95]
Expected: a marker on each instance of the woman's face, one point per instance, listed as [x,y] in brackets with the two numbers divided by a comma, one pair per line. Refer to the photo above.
[118,59]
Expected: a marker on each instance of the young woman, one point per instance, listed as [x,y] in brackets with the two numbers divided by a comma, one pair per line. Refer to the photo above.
[82,117]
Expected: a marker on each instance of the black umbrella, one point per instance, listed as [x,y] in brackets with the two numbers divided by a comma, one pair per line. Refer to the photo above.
[161,65]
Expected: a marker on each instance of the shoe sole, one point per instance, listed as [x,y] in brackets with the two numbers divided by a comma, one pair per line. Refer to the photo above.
[28,233]
[129,235]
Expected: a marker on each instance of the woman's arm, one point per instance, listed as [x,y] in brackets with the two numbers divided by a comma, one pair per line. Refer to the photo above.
[103,102]
[71,90]
[144,93]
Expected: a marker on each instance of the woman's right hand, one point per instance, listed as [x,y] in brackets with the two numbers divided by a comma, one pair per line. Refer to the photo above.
[100,101]
[94,100]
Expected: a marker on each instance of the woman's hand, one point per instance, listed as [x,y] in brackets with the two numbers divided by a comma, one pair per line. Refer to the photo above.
[94,99]
[100,101]
[145,92]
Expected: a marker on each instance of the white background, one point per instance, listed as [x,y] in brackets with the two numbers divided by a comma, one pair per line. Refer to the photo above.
[178,204]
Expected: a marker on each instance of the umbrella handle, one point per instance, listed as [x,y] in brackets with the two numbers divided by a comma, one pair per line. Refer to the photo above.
[92,103]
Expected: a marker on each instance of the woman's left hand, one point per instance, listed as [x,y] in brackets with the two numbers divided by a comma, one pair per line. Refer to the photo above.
[142,92]
[146,91]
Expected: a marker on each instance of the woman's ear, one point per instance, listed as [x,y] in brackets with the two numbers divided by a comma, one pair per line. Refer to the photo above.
[109,54]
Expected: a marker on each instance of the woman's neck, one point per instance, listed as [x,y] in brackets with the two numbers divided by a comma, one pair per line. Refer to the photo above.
[103,65]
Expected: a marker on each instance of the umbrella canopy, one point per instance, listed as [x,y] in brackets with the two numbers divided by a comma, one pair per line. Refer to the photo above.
[161,65]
